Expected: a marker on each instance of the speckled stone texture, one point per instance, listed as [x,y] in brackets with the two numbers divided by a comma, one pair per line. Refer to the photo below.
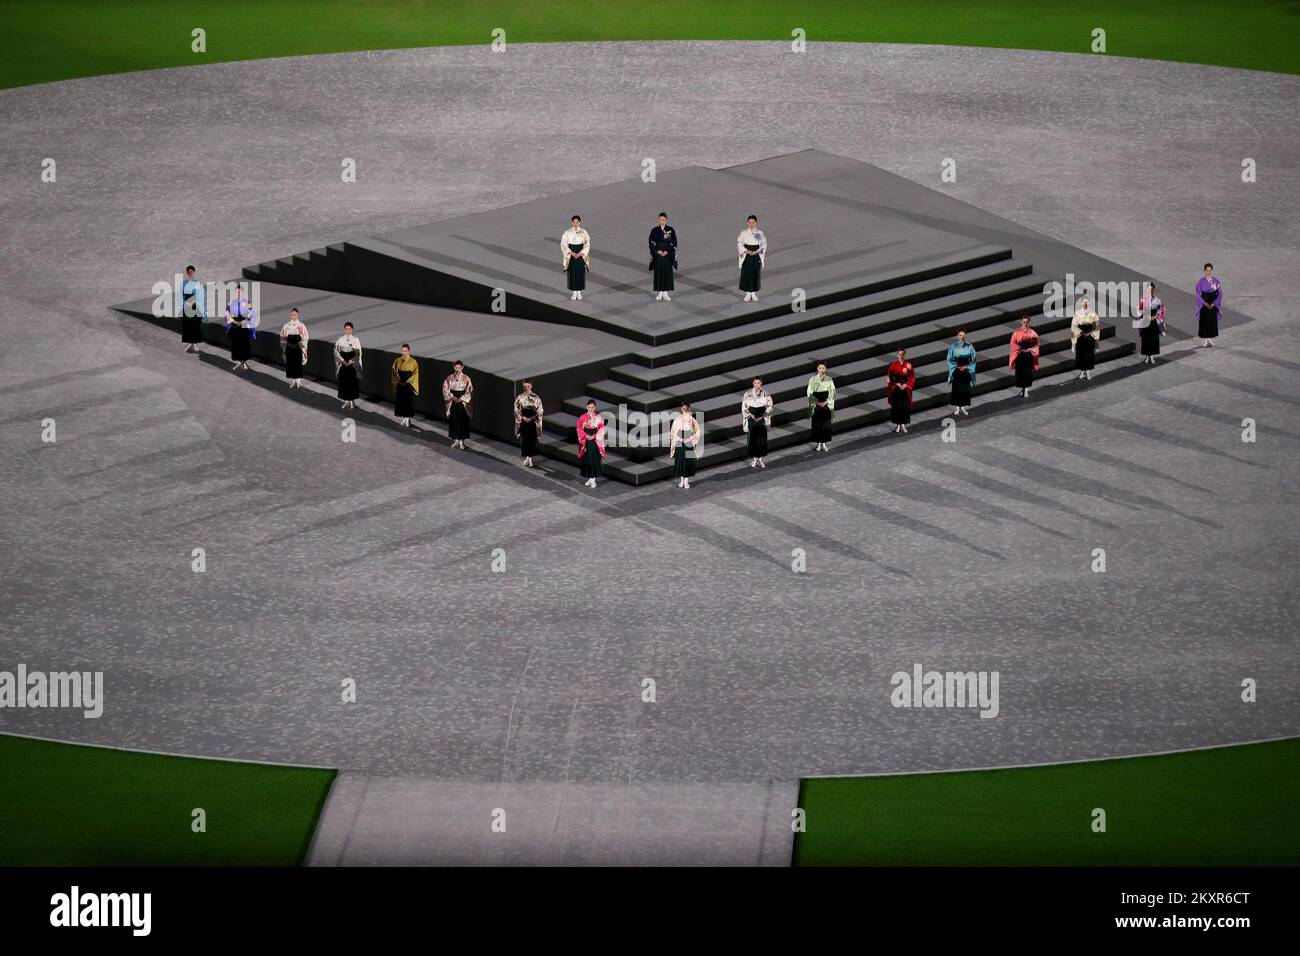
[372,561]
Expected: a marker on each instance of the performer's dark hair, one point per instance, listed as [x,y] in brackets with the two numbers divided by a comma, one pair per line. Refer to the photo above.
[527,381]
[571,218]
[405,346]
[348,325]
[293,310]
[751,216]
[190,269]
[1208,265]
[591,401]
[1025,318]
[458,362]
[664,214]
[962,331]
[686,405]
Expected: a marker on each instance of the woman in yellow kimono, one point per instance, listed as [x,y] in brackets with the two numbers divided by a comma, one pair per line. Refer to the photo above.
[406,385]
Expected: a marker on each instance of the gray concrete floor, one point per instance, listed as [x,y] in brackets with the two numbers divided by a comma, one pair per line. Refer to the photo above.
[371,561]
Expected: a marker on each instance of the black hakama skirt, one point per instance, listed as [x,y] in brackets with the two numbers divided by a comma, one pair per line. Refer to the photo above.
[751,274]
[900,407]
[458,422]
[821,423]
[593,464]
[349,384]
[577,274]
[528,439]
[663,273]
[1150,337]
[191,329]
[684,462]
[241,343]
[293,358]
[1025,369]
[756,439]
[1208,326]
[961,387]
[1085,353]
[403,400]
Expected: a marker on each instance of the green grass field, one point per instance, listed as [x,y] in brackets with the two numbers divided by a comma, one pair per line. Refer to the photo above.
[44,40]
[1229,806]
[66,805]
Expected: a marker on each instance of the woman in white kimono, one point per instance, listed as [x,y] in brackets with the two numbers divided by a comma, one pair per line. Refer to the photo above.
[751,246]
[575,247]
[347,366]
[684,447]
[755,420]
[293,347]
[1085,333]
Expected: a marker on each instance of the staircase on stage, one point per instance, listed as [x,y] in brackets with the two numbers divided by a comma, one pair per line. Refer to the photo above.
[876,261]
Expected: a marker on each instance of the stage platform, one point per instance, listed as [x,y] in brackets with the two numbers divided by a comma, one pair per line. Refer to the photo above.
[882,263]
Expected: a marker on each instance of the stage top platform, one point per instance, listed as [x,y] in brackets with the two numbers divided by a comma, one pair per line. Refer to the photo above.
[813,243]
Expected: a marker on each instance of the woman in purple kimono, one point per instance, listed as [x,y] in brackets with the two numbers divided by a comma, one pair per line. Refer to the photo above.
[1209,302]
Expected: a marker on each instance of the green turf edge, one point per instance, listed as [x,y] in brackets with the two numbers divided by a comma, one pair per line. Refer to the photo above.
[1222,806]
[49,40]
[65,804]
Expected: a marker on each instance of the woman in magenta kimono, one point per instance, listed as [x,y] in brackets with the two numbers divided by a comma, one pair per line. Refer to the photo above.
[591,445]
[1209,302]
[1024,355]
[1152,327]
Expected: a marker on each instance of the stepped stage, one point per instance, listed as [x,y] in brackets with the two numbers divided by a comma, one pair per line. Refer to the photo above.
[879,261]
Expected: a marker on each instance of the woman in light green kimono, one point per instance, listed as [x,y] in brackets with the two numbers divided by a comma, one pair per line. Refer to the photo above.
[821,407]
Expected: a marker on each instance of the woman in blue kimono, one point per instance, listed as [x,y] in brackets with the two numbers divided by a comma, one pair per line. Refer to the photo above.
[961,373]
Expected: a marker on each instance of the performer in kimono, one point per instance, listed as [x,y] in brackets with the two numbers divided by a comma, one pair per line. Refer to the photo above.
[528,422]
[663,256]
[755,420]
[347,366]
[1024,355]
[458,396]
[293,347]
[1153,324]
[900,379]
[591,445]
[194,309]
[821,407]
[684,446]
[961,373]
[751,246]
[1085,333]
[1209,299]
[575,246]
[241,326]
[406,385]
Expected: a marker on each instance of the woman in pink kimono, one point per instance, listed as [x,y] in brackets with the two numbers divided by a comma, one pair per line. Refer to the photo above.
[1024,355]
[591,445]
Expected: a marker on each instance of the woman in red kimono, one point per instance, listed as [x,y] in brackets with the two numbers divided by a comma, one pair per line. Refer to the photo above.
[900,379]
[1024,355]
[591,445]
